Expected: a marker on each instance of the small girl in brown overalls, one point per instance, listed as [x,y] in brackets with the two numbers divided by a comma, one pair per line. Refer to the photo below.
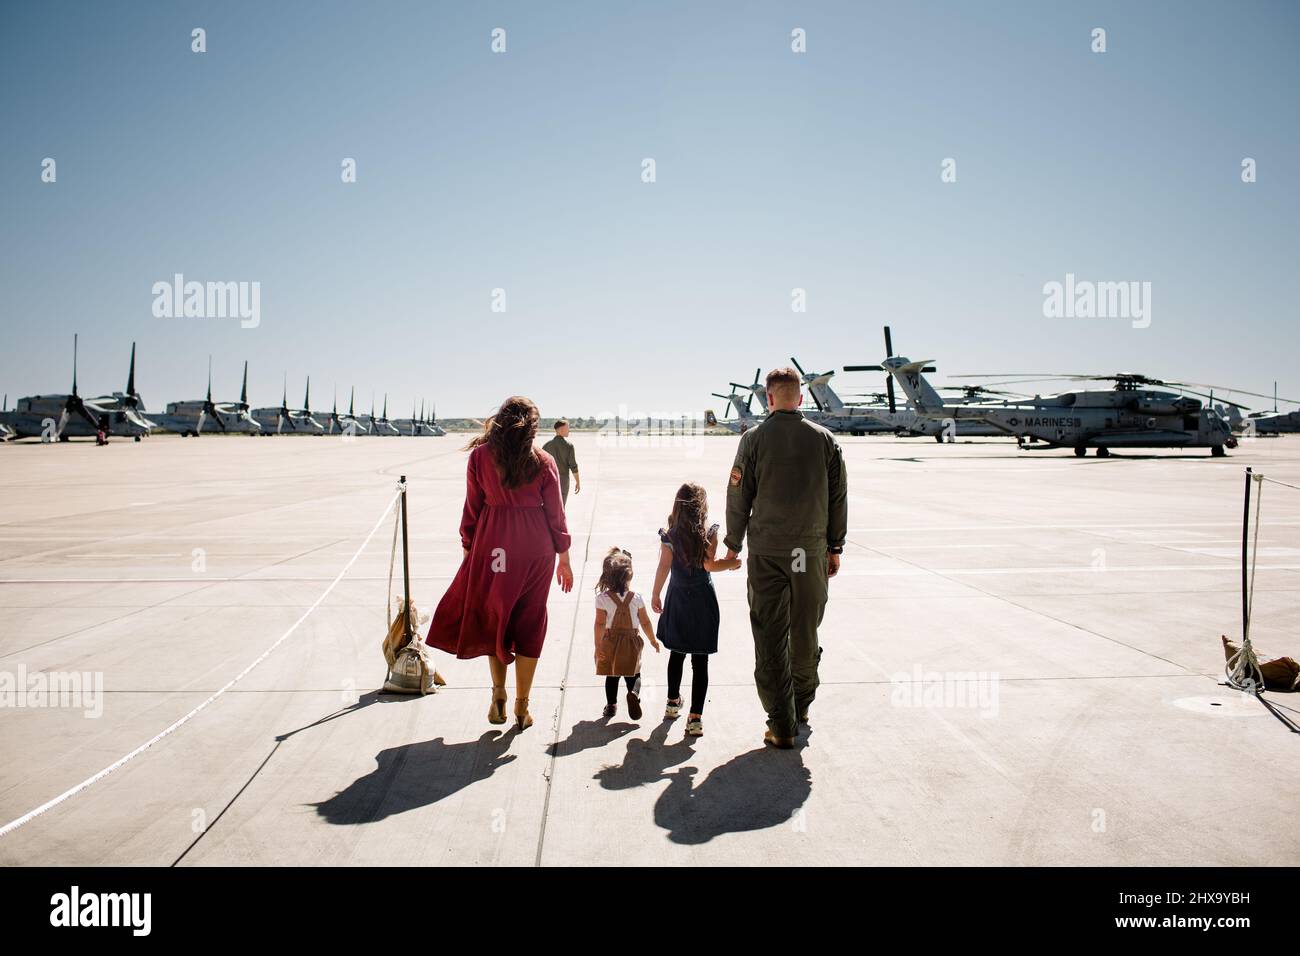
[618,645]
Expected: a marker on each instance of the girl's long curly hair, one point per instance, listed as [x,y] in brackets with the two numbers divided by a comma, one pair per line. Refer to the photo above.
[689,523]
[615,572]
[509,434]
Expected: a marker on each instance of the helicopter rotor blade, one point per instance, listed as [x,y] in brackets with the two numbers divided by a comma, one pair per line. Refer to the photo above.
[1228,389]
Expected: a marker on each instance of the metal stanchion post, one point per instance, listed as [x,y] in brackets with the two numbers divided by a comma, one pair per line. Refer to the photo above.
[1245,547]
[406,567]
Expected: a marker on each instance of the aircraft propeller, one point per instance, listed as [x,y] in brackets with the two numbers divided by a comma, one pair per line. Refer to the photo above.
[209,408]
[804,379]
[74,405]
[889,378]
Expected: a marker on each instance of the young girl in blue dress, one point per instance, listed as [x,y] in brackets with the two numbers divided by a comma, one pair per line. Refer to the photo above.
[688,615]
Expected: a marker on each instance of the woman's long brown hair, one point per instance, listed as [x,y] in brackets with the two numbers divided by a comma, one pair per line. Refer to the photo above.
[688,523]
[509,434]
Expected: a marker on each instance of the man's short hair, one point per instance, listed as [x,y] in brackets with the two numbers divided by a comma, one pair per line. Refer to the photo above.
[783,381]
[560,423]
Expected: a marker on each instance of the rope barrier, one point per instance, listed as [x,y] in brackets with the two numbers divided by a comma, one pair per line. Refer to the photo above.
[1276,482]
[89,781]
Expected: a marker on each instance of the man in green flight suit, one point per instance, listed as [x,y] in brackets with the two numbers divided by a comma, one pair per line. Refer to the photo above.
[789,490]
[561,449]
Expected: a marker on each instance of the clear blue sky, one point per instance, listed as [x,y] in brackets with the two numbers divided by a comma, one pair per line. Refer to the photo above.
[522,171]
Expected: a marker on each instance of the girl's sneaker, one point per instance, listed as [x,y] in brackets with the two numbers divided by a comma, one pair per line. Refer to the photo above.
[633,706]
[695,727]
[673,709]
[610,710]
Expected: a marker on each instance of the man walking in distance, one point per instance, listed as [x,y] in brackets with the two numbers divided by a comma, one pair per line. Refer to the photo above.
[789,490]
[561,449]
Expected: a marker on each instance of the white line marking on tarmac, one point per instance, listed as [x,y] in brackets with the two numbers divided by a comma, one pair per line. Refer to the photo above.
[73,791]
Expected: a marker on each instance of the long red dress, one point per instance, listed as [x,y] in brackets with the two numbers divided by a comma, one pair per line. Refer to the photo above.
[497,602]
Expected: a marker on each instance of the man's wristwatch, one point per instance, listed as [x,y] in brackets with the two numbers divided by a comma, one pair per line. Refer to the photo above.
[839,550]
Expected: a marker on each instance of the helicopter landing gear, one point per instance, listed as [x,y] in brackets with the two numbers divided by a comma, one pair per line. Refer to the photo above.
[1103,452]
[1216,451]
[1080,451]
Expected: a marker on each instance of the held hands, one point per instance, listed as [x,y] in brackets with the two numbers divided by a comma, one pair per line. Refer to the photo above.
[564,574]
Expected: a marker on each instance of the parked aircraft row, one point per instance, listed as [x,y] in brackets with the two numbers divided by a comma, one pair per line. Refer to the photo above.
[62,417]
[1137,412]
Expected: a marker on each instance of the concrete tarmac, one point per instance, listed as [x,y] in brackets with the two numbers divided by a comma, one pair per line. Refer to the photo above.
[1022,666]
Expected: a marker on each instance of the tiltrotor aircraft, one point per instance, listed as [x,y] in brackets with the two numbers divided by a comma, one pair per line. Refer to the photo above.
[286,421]
[222,418]
[62,417]
[347,424]
[379,426]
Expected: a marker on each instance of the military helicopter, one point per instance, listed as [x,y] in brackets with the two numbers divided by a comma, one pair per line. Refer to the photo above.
[756,390]
[1136,413]
[827,408]
[910,420]
[1272,423]
[831,412]
[347,424]
[745,418]
[283,420]
[63,417]
[189,418]
[1275,423]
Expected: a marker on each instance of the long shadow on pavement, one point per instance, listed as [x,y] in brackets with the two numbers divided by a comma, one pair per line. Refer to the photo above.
[588,735]
[646,760]
[759,789]
[756,790]
[417,775]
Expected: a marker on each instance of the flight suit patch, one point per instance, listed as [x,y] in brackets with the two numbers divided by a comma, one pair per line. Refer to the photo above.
[735,476]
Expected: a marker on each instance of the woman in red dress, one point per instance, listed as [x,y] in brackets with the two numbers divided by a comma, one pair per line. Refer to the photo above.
[511,530]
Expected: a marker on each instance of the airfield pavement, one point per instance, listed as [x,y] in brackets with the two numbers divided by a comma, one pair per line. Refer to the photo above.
[1085,597]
